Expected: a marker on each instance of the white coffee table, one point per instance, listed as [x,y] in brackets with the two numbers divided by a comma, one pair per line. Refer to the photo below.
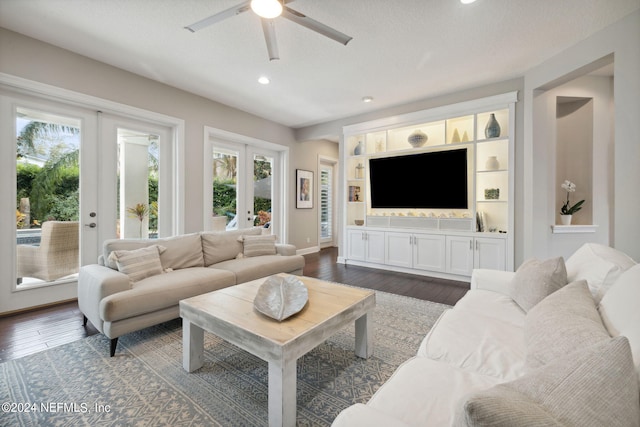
[229,314]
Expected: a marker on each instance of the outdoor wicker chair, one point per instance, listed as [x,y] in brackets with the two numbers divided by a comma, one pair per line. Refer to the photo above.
[57,255]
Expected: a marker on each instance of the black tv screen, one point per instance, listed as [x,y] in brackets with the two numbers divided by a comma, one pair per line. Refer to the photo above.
[434,180]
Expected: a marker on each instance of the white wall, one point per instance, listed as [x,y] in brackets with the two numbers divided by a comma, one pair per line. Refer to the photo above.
[618,226]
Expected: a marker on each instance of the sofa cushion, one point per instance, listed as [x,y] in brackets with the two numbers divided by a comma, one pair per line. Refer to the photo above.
[565,321]
[139,263]
[620,310]
[599,265]
[218,246]
[182,251]
[492,304]
[476,343]
[536,279]
[258,245]
[424,392]
[163,291]
[252,268]
[593,387]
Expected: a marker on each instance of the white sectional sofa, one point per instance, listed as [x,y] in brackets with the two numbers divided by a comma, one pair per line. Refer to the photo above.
[523,349]
[138,283]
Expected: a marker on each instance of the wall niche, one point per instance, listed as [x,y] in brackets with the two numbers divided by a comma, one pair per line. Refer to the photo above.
[574,154]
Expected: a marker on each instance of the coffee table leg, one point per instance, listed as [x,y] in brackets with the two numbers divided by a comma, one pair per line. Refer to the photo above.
[282,393]
[364,336]
[192,346]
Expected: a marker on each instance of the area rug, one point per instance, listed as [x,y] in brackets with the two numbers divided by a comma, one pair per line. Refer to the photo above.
[145,384]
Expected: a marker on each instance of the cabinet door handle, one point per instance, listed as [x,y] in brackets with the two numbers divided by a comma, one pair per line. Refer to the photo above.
[470,245]
[476,245]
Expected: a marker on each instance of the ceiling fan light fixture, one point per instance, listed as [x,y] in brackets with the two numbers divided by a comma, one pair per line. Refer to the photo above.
[264,80]
[268,9]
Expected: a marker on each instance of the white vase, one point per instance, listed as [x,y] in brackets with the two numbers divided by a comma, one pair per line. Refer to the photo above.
[565,219]
[492,163]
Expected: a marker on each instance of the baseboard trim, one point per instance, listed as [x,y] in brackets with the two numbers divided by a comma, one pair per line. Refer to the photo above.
[306,251]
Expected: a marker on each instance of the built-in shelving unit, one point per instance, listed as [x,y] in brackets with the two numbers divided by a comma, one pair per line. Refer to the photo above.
[490,190]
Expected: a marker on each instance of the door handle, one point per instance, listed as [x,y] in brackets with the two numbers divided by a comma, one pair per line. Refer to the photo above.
[91,225]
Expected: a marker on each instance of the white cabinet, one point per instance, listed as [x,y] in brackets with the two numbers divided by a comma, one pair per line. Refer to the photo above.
[415,250]
[466,253]
[399,249]
[460,255]
[489,253]
[449,238]
[366,245]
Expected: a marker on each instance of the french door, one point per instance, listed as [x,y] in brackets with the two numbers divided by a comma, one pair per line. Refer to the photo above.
[78,168]
[243,188]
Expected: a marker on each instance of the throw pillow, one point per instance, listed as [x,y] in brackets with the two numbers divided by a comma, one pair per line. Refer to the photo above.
[536,279]
[620,312]
[140,263]
[599,265]
[219,246]
[596,387]
[258,245]
[565,321]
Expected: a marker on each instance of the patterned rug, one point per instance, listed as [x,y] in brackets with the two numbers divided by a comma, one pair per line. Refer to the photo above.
[145,384]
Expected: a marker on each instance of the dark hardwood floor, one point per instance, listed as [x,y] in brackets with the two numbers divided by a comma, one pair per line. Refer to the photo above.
[33,331]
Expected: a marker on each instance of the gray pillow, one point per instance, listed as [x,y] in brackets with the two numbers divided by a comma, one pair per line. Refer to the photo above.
[536,279]
[596,387]
[565,321]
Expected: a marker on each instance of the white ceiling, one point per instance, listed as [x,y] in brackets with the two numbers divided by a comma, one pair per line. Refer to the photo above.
[402,50]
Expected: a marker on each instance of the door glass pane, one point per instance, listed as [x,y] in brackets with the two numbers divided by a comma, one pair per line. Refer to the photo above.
[225,179]
[138,168]
[262,193]
[326,191]
[47,197]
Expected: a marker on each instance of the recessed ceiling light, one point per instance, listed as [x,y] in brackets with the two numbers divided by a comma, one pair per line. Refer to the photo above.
[367,99]
[264,80]
[467,1]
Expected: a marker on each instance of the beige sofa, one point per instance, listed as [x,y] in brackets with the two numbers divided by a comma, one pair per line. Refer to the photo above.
[139,283]
[525,348]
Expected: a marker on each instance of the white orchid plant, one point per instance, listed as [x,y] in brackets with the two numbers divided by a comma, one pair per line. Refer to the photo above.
[567,209]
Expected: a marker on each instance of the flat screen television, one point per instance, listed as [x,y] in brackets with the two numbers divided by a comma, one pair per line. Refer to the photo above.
[434,180]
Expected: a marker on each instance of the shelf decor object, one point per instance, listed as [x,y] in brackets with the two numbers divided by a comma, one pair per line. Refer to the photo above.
[281,297]
[359,150]
[492,163]
[456,136]
[566,219]
[465,137]
[417,138]
[491,193]
[359,171]
[492,130]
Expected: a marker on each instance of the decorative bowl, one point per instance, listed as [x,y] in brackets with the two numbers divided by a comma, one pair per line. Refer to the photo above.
[359,221]
[280,297]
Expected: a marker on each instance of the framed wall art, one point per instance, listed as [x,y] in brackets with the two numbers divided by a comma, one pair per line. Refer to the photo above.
[304,189]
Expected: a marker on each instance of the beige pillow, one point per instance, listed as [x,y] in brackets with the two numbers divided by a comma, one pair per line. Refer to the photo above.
[536,279]
[258,245]
[140,263]
[565,321]
[219,246]
[595,387]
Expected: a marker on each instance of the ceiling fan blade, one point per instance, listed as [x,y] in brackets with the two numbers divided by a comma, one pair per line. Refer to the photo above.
[232,11]
[314,25]
[269,29]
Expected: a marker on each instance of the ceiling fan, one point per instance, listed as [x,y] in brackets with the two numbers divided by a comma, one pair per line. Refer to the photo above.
[268,10]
